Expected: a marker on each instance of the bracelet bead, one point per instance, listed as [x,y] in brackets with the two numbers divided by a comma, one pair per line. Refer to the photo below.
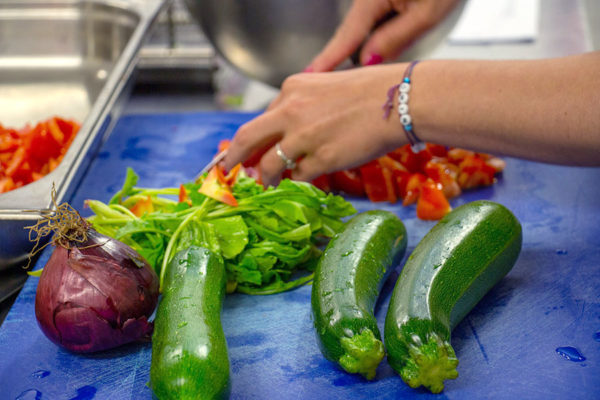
[403,110]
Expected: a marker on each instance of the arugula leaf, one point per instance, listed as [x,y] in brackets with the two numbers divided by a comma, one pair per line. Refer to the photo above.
[232,234]
[246,187]
[131,179]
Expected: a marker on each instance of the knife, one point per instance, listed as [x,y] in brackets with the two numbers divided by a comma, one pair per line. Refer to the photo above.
[211,164]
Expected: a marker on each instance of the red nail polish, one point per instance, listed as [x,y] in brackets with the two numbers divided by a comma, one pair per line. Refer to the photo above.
[308,69]
[373,59]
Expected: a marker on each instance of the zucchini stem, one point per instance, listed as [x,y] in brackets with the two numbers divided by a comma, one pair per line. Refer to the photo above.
[362,353]
[429,364]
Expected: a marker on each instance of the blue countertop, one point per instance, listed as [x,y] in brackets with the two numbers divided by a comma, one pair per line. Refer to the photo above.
[507,346]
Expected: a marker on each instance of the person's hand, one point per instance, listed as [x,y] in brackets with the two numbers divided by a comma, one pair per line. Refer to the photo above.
[412,19]
[326,122]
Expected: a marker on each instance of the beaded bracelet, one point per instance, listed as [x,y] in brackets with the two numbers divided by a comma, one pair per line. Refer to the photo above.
[403,111]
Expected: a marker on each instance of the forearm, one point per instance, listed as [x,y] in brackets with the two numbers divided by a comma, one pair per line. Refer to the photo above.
[546,110]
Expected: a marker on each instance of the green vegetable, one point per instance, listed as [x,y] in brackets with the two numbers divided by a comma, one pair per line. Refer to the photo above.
[189,351]
[269,242]
[347,282]
[450,270]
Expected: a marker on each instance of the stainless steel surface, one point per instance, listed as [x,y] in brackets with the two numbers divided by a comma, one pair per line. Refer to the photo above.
[563,30]
[68,58]
[176,50]
[10,282]
[269,40]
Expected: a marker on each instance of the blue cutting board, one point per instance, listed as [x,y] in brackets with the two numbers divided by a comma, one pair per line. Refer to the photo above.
[507,346]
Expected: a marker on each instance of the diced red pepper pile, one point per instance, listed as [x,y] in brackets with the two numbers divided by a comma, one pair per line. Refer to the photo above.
[428,178]
[29,153]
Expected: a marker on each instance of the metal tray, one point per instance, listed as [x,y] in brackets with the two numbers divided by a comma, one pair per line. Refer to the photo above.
[69,58]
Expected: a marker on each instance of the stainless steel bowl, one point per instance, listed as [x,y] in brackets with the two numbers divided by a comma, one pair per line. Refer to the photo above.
[269,40]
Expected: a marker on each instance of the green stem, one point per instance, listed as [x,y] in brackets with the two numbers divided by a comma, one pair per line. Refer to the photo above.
[198,212]
[123,210]
[362,353]
[278,288]
[145,230]
[430,364]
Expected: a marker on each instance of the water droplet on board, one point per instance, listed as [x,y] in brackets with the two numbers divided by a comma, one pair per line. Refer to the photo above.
[570,353]
[597,336]
[30,394]
[40,373]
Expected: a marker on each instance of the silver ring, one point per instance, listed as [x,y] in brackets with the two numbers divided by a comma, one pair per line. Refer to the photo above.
[289,163]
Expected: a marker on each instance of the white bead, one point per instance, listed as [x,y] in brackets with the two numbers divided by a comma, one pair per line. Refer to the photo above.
[403,98]
[402,108]
[405,119]
[418,147]
[404,87]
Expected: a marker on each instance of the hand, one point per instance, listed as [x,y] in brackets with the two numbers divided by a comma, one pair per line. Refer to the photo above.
[326,122]
[411,20]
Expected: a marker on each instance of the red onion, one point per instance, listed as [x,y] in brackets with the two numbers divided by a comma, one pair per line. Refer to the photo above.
[95,292]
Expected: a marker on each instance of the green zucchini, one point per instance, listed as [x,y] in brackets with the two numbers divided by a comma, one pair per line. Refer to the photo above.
[347,281]
[450,270]
[189,351]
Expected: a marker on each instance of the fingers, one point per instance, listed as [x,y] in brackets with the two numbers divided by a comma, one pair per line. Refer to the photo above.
[414,19]
[350,34]
[391,38]
[272,165]
[307,169]
[254,136]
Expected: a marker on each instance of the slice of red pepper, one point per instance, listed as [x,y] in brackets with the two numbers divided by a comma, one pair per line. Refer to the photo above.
[475,172]
[183,195]
[378,182]
[412,188]
[432,204]
[414,162]
[142,206]
[348,181]
[215,186]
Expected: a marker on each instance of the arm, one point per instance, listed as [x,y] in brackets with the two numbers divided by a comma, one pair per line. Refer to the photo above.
[543,110]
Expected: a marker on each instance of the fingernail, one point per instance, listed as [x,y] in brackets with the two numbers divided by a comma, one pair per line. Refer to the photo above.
[373,59]
[308,69]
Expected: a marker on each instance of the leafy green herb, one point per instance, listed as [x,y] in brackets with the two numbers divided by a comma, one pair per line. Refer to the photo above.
[269,242]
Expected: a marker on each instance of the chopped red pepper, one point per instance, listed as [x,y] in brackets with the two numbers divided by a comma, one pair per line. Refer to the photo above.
[27,154]
[413,188]
[432,204]
[183,195]
[414,162]
[475,172]
[378,182]
[348,181]
[445,173]
[215,186]
[142,206]
[231,177]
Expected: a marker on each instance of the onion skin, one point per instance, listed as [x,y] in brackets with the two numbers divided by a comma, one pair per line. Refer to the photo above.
[96,295]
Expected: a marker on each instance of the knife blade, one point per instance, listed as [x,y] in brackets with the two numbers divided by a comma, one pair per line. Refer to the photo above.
[211,164]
